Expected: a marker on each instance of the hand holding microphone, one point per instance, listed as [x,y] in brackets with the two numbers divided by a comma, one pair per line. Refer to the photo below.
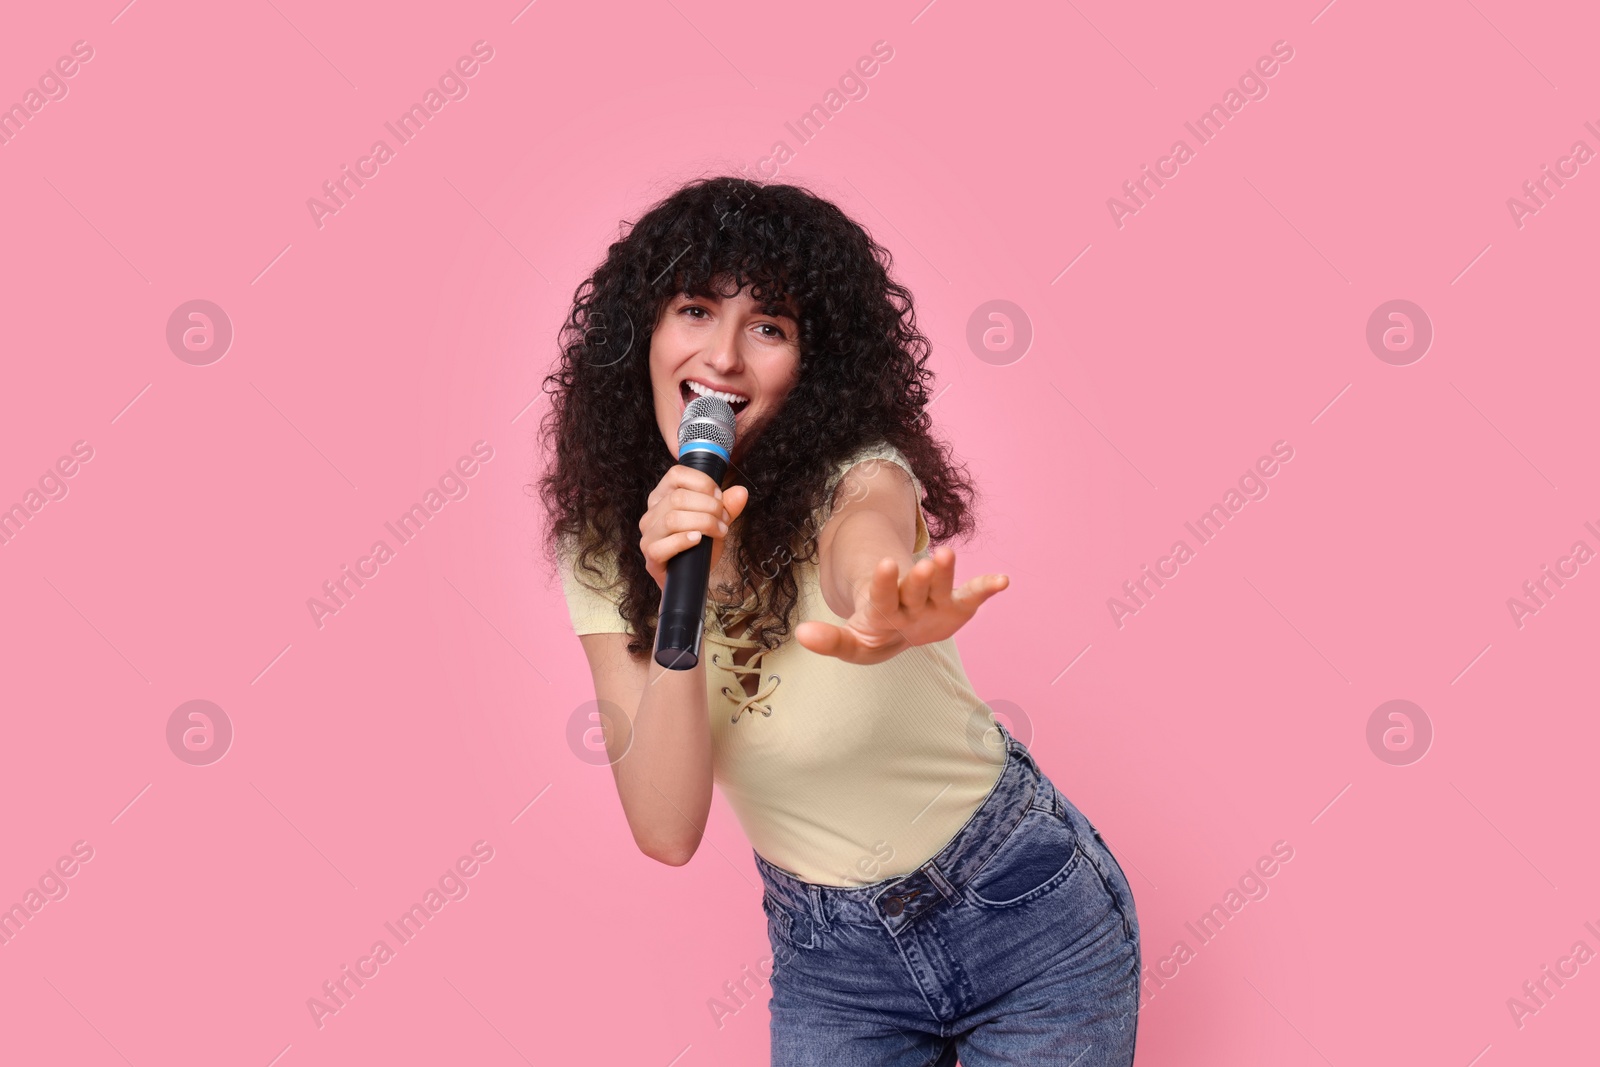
[682,531]
[684,509]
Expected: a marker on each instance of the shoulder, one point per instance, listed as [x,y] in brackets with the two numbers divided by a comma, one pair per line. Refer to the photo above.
[568,550]
[853,475]
[871,455]
[593,600]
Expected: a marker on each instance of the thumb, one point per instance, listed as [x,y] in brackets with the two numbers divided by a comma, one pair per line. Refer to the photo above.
[734,499]
[822,638]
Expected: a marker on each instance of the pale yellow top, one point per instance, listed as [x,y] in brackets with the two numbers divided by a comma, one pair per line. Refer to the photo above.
[839,773]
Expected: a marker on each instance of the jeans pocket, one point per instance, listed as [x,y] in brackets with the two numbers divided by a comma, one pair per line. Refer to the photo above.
[1039,854]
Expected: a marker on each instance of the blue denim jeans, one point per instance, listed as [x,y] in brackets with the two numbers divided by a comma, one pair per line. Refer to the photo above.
[1017,944]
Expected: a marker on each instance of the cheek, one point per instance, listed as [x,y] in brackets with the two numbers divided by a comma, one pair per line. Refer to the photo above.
[662,363]
[781,380]
[672,343]
[660,345]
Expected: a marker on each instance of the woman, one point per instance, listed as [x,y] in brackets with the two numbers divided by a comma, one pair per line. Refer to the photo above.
[929,892]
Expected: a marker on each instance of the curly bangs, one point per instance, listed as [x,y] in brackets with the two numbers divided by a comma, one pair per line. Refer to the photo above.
[863,378]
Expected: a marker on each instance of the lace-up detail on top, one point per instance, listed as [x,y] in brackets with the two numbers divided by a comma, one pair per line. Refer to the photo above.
[724,659]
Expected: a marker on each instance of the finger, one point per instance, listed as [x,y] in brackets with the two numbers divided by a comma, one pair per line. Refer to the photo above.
[685,521]
[669,546]
[692,501]
[944,576]
[981,588]
[699,481]
[883,591]
[914,587]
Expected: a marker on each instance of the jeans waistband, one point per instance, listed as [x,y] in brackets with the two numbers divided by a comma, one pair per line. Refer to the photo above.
[897,902]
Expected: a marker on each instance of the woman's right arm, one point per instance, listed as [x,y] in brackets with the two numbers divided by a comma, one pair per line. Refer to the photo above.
[658,738]
[657,721]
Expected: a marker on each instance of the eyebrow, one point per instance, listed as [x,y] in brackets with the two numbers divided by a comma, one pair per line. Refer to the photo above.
[785,309]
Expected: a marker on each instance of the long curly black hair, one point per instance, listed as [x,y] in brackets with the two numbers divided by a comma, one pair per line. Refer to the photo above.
[863,378]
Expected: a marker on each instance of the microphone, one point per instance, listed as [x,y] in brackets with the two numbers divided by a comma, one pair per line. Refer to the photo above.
[705,443]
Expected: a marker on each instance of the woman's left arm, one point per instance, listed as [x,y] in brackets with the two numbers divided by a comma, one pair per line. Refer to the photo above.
[868,578]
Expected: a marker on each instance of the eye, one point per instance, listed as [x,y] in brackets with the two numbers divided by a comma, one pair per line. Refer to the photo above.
[692,307]
[777,333]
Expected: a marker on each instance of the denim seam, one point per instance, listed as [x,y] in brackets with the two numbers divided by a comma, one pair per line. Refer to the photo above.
[916,980]
[1116,897]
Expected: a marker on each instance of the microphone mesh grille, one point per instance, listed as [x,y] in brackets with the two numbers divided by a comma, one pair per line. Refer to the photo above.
[707,418]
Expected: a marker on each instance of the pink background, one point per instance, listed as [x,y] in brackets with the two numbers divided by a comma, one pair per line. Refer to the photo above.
[368,354]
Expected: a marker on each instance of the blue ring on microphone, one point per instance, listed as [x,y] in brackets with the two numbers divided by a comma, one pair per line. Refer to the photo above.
[700,445]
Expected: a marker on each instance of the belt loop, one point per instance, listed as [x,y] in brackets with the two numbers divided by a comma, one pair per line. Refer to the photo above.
[814,894]
[940,882]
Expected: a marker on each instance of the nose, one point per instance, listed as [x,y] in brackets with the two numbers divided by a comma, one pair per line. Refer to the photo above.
[724,356]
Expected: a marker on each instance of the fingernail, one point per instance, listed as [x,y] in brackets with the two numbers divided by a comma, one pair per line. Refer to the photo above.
[722,527]
[694,535]
[718,494]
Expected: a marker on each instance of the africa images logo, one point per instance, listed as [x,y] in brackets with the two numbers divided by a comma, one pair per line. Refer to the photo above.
[452,85]
[1252,485]
[1252,85]
[452,885]
[452,485]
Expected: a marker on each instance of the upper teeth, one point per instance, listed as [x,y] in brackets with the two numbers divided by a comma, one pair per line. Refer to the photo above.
[732,398]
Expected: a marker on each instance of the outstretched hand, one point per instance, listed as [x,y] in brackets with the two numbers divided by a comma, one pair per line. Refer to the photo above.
[893,613]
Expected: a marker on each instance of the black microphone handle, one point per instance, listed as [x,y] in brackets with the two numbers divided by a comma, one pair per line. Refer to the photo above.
[682,615]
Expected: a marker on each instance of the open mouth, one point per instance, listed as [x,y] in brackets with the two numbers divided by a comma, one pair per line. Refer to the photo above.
[688,390]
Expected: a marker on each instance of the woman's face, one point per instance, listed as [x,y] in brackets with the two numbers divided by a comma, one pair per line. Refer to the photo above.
[748,353]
